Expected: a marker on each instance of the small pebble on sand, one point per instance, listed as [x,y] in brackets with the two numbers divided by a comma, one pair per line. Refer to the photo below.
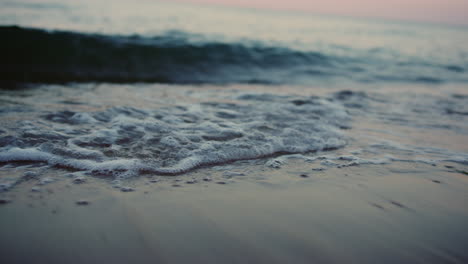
[4,201]
[230,174]
[82,202]
[126,189]
[79,180]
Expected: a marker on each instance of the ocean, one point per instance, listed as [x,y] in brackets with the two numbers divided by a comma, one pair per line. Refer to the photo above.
[124,89]
[158,132]
[151,41]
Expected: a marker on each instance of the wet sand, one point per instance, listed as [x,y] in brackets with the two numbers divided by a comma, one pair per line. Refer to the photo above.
[316,208]
[397,213]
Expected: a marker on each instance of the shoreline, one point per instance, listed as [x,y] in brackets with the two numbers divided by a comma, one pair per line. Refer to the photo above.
[396,193]
[400,212]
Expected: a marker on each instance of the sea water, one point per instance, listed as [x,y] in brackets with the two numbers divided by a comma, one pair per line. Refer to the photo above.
[119,89]
[152,41]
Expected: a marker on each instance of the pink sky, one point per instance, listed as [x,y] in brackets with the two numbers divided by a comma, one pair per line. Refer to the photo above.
[447,11]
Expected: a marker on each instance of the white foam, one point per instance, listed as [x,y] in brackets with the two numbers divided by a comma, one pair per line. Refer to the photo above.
[82,118]
[124,142]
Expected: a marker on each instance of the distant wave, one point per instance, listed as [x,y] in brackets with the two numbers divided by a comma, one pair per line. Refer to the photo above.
[36,55]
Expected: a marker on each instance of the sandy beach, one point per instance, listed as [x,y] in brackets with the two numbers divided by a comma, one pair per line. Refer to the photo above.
[397,213]
[368,202]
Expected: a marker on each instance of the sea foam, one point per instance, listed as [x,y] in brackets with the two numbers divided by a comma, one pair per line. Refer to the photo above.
[127,141]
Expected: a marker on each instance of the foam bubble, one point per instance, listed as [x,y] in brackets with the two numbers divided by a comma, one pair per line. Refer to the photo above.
[125,142]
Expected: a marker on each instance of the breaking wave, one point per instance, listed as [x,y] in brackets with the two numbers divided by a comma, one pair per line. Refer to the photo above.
[36,55]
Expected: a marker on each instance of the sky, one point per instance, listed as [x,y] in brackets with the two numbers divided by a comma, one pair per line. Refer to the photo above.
[445,11]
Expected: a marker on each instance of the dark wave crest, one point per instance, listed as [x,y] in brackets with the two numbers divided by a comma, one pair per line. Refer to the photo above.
[35,55]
